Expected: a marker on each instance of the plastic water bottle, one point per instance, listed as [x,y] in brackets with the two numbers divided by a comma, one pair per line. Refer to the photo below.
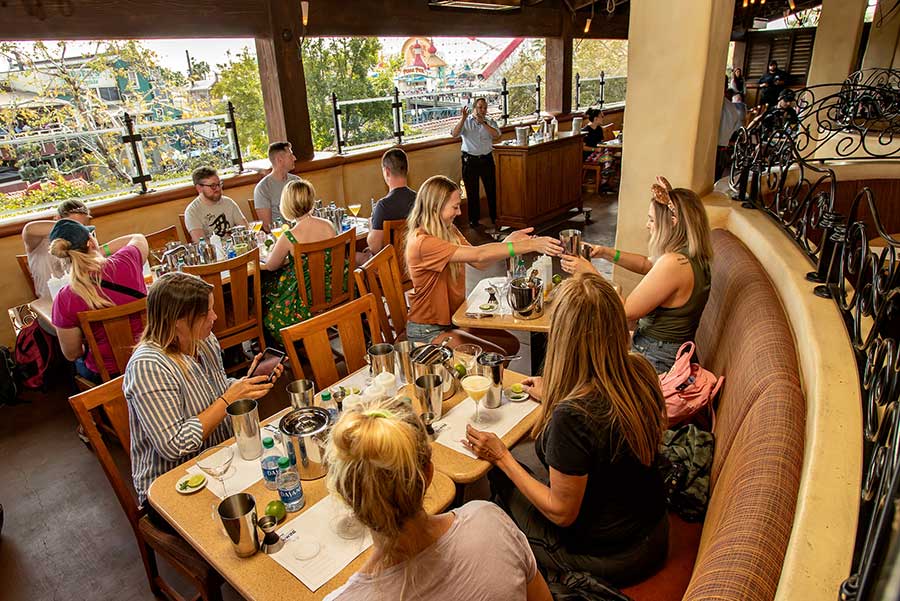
[269,463]
[289,488]
[521,271]
[329,404]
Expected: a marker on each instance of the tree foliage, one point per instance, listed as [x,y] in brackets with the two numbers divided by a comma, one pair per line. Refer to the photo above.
[590,57]
[524,69]
[239,82]
[345,67]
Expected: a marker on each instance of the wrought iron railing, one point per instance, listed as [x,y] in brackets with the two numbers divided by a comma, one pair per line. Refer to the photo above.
[778,168]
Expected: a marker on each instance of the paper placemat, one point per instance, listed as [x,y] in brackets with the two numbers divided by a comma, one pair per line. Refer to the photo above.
[499,421]
[335,553]
[244,475]
[479,296]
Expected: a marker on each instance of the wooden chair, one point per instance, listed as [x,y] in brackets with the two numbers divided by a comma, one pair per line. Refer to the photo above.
[116,323]
[380,276]
[343,252]
[253,212]
[162,237]
[237,321]
[313,334]
[590,184]
[187,234]
[395,234]
[22,260]
[151,540]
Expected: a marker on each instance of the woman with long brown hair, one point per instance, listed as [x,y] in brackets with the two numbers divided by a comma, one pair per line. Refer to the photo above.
[669,300]
[379,464]
[175,384]
[601,421]
[437,254]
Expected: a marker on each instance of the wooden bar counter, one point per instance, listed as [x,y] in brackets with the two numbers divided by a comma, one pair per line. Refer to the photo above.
[538,182]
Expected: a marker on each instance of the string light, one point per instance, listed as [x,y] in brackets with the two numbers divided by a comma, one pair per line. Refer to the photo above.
[304,9]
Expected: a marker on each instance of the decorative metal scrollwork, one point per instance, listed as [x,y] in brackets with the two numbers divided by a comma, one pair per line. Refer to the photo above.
[778,167]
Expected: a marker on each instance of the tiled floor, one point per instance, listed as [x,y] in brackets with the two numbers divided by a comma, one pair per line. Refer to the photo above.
[65,536]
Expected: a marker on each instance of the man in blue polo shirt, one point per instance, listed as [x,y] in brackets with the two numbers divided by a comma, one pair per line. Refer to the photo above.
[478,133]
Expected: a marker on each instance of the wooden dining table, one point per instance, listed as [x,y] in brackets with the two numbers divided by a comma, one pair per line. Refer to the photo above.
[259,577]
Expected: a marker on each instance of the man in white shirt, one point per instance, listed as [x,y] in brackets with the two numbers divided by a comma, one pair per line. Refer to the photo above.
[478,133]
[267,194]
[211,212]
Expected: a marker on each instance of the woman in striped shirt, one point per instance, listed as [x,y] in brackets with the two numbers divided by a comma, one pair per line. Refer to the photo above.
[175,383]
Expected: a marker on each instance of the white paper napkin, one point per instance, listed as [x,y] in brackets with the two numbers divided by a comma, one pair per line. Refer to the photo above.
[499,421]
[479,296]
[243,475]
[315,524]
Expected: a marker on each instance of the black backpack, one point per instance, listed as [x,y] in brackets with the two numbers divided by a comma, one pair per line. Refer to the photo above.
[8,389]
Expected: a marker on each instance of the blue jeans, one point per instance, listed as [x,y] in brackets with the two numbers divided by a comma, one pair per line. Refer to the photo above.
[660,354]
[423,332]
[85,372]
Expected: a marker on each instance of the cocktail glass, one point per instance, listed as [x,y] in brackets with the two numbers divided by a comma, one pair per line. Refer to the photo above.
[216,461]
[465,355]
[345,524]
[354,208]
[476,387]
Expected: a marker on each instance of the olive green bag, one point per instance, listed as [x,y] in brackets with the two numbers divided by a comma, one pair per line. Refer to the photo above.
[685,462]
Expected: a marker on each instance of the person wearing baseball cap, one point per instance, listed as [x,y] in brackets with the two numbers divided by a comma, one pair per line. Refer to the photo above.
[41,263]
[102,275]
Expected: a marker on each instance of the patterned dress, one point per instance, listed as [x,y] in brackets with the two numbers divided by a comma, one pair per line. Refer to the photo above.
[283,305]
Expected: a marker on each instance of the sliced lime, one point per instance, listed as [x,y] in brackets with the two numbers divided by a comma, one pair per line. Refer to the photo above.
[196,480]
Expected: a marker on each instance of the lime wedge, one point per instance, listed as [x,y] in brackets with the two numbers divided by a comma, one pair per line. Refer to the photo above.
[460,369]
[196,480]
[517,388]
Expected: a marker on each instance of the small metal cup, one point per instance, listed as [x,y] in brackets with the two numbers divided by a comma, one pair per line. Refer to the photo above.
[381,358]
[402,350]
[302,393]
[238,515]
[429,391]
[272,543]
[571,241]
[245,423]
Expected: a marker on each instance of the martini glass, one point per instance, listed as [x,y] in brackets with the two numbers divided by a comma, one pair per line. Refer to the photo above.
[216,462]
[345,524]
[476,387]
[535,127]
[354,208]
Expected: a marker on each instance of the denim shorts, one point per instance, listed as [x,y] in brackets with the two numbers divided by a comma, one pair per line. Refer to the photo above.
[423,332]
[660,354]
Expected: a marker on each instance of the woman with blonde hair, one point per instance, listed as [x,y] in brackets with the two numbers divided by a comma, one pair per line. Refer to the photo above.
[379,464]
[282,304]
[175,384]
[601,421]
[102,275]
[437,254]
[670,298]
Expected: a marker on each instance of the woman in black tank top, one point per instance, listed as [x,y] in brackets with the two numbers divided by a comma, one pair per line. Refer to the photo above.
[669,300]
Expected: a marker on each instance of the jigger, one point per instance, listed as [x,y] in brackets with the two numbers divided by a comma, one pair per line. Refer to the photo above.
[272,542]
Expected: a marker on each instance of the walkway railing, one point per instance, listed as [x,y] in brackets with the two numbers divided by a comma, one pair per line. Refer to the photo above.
[857,263]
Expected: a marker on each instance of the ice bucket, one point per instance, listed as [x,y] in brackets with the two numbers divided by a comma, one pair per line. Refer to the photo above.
[526,297]
[306,432]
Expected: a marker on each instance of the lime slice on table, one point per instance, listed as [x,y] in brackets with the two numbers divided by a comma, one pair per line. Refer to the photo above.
[517,388]
[487,307]
[460,370]
[196,480]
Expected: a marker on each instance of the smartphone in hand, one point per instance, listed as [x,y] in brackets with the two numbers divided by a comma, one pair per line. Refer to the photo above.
[271,359]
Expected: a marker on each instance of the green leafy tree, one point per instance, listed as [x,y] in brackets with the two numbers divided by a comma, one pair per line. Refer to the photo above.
[590,57]
[344,66]
[199,70]
[524,69]
[239,82]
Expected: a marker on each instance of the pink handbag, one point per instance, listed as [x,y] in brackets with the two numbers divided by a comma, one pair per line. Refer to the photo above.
[687,387]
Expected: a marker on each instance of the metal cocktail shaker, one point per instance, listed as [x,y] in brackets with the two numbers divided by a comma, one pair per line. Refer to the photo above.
[238,515]
[245,423]
[490,365]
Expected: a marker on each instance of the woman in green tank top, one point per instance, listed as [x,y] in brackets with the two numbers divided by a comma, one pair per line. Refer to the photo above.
[282,304]
[669,300]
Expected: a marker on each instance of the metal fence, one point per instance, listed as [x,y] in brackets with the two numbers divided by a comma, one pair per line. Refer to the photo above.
[598,91]
[40,169]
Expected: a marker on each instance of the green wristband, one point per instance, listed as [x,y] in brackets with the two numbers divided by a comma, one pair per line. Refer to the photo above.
[617,255]
[512,251]
[106,250]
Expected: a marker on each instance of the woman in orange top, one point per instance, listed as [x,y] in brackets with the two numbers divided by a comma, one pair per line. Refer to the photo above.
[436,254]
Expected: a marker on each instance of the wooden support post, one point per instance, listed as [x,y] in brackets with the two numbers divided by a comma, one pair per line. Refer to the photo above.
[558,75]
[283,81]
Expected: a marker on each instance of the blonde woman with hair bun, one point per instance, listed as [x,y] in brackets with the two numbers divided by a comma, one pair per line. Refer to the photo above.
[282,304]
[379,464]
[102,275]
[669,300]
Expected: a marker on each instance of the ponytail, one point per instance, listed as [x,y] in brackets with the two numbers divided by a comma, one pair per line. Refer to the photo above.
[86,272]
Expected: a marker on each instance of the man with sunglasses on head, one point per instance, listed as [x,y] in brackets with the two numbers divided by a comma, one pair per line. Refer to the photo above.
[35,234]
[211,212]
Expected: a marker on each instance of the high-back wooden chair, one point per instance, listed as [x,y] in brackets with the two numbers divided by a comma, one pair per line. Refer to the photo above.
[316,295]
[187,234]
[380,276]
[253,213]
[22,260]
[162,237]
[313,334]
[395,234]
[116,323]
[238,320]
[150,539]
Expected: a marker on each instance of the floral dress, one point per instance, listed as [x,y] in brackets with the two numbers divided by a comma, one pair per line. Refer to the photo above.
[282,304]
